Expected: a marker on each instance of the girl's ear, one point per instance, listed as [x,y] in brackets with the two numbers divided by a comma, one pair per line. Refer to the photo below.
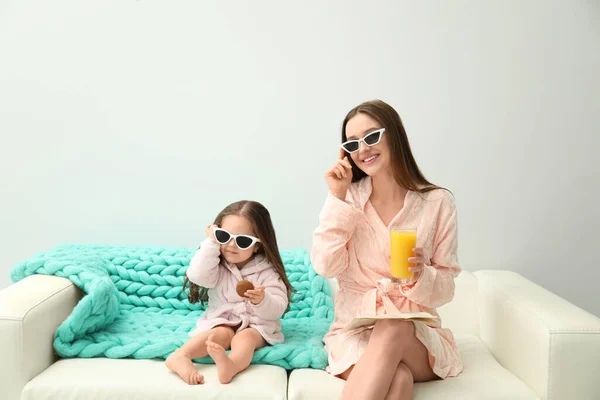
[257,247]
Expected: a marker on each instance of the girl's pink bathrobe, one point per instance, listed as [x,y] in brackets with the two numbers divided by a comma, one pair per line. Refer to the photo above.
[353,244]
[225,306]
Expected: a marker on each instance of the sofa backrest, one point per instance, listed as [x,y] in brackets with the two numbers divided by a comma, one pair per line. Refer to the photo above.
[460,315]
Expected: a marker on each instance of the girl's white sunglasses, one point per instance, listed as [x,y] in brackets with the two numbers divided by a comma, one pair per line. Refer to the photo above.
[371,139]
[243,242]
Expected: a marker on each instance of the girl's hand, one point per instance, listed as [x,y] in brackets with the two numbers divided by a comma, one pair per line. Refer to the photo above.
[209,232]
[256,295]
[418,262]
[339,177]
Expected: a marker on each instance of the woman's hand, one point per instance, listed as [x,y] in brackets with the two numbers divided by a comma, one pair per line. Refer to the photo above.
[255,295]
[418,262]
[339,177]
[209,232]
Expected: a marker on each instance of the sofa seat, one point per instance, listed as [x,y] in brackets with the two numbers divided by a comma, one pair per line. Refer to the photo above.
[483,378]
[127,379]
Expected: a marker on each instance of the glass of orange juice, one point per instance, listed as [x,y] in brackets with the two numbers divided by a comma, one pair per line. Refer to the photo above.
[402,243]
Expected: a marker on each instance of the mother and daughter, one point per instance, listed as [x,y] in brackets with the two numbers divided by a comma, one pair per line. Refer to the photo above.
[374,184]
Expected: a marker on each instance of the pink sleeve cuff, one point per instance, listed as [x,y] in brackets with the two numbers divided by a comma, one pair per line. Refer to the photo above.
[340,213]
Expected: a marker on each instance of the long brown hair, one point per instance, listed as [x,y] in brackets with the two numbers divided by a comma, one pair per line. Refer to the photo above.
[260,220]
[406,170]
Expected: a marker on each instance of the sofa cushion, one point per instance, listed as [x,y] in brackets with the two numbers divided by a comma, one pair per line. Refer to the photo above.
[460,315]
[103,378]
[482,378]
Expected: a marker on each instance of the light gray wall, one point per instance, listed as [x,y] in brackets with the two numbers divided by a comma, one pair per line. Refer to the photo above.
[135,122]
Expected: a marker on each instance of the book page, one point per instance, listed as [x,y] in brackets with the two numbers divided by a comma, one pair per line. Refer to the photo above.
[370,320]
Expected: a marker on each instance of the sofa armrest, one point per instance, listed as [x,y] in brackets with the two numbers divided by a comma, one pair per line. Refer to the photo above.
[549,343]
[30,312]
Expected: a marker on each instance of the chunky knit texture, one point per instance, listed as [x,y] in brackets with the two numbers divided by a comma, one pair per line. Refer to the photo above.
[134,307]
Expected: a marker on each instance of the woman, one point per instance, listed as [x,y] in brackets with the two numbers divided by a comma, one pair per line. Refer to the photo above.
[374,185]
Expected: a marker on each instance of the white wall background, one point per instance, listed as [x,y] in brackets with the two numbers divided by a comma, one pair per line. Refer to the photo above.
[135,122]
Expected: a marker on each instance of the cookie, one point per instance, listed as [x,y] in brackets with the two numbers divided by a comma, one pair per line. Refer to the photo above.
[242,286]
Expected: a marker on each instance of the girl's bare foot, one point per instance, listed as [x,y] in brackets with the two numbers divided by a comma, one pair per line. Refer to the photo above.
[225,367]
[184,367]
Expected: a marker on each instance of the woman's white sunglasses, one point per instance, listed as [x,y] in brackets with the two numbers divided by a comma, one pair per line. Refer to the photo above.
[371,139]
[243,242]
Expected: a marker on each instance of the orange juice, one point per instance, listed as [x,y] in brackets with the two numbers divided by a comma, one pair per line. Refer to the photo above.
[402,243]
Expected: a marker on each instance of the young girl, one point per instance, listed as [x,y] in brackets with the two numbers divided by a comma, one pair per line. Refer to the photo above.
[240,246]
[373,186]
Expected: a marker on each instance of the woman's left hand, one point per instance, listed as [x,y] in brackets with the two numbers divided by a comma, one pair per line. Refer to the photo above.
[256,295]
[418,262]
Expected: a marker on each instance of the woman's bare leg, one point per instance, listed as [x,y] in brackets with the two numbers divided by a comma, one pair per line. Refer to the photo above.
[391,342]
[402,384]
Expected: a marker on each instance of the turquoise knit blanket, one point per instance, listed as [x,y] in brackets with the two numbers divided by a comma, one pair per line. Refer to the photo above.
[133,306]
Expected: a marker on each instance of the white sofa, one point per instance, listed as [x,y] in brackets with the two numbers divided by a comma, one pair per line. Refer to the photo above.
[517,340]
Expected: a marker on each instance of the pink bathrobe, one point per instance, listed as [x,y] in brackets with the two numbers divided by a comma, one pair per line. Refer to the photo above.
[225,306]
[352,244]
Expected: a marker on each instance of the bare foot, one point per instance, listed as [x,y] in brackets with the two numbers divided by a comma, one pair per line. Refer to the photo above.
[184,367]
[225,367]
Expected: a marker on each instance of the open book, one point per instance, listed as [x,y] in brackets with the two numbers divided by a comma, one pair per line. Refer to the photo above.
[414,316]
